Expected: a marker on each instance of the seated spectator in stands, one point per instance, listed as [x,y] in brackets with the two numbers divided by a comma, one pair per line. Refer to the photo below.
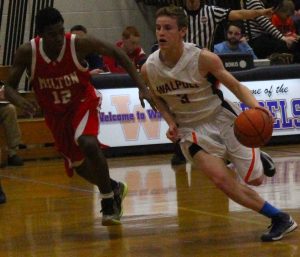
[296,15]
[130,43]
[234,42]
[282,18]
[264,37]
[94,61]
[8,119]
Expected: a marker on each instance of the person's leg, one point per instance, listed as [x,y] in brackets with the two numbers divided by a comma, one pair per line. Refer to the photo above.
[95,170]
[178,157]
[265,45]
[13,133]
[215,169]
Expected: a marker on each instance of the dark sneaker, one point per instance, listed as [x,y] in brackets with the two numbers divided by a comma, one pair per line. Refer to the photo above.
[281,224]
[119,194]
[268,164]
[110,212]
[2,197]
[15,160]
[177,160]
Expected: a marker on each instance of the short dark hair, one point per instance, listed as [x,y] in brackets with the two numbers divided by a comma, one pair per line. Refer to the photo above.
[238,24]
[174,12]
[78,28]
[46,17]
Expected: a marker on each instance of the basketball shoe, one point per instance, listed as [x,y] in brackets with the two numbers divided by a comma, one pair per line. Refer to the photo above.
[110,212]
[112,208]
[281,224]
[119,194]
[268,164]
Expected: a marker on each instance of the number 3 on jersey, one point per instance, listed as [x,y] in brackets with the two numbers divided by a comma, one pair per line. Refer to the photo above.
[184,99]
[61,97]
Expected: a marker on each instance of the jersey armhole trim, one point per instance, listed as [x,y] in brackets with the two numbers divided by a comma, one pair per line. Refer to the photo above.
[33,59]
[74,55]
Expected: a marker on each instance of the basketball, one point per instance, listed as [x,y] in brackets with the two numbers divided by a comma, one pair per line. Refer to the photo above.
[253,127]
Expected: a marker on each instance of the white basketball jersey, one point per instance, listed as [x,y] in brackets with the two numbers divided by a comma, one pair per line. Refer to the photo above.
[190,96]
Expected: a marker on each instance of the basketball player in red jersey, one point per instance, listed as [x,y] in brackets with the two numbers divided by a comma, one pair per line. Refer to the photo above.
[55,64]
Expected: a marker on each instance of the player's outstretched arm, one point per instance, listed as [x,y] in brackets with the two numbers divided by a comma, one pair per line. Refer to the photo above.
[249,14]
[88,44]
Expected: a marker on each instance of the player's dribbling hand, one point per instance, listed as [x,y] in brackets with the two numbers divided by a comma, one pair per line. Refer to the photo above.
[145,94]
[267,111]
[172,133]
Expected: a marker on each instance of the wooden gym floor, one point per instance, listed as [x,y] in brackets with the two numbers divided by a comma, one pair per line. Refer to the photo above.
[167,212]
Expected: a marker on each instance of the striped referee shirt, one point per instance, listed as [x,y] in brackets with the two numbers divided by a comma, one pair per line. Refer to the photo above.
[260,24]
[203,23]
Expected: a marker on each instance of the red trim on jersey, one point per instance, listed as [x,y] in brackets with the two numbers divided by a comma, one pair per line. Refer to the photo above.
[194,136]
[251,166]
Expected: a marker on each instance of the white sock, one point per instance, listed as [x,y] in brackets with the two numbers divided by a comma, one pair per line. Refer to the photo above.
[108,195]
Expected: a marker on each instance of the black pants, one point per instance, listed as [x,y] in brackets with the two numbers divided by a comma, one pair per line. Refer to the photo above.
[265,45]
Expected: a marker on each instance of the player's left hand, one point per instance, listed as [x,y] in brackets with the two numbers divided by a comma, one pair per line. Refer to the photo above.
[145,94]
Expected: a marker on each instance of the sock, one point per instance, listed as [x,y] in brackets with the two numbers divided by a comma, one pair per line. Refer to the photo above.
[107,195]
[269,210]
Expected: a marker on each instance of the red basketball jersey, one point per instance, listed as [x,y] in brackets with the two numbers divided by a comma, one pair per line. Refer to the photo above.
[61,84]
[68,99]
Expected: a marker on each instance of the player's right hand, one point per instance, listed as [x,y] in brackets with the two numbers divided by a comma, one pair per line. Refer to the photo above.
[267,111]
[145,94]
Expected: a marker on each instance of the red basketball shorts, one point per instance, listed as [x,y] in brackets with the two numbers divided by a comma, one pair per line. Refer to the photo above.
[68,127]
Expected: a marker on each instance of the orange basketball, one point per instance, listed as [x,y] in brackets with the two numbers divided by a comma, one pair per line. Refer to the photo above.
[253,127]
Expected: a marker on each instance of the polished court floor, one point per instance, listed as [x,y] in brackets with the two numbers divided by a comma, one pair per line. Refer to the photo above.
[168,212]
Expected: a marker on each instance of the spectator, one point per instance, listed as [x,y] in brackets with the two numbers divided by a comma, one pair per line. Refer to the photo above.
[296,15]
[264,37]
[203,20]
[8,119]
[130,43]
[94,60]
[234,42]
[282,18]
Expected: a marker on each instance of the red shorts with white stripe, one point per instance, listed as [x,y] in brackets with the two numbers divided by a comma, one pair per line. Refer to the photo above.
[66,128]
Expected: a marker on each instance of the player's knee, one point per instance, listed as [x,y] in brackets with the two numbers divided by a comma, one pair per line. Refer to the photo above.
[88,144]
[220,181]
[256,181]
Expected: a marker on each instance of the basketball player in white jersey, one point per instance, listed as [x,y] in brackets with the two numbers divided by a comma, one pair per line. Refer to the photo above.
[178,75]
